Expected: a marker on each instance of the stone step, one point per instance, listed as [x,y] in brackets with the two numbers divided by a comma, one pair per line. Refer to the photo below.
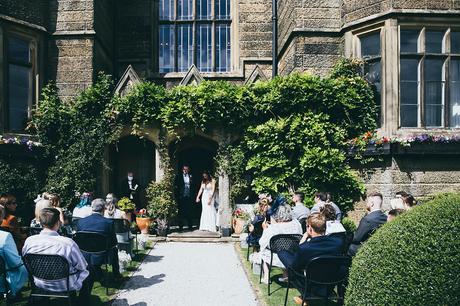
[201,240]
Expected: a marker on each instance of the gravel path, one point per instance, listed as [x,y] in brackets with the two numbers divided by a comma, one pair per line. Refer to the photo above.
[189,274]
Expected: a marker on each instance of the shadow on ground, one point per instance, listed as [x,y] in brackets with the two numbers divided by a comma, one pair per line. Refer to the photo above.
[139,281]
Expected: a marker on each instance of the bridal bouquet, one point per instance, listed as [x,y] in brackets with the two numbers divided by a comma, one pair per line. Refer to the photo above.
[124,259]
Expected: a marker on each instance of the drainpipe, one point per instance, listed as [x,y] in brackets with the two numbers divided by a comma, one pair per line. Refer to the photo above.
[274,38]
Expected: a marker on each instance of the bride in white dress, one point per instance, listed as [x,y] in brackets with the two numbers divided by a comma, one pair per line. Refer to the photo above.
[207,194]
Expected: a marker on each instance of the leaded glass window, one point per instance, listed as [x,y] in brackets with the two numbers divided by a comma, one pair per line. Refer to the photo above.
[194,32]
[429,78]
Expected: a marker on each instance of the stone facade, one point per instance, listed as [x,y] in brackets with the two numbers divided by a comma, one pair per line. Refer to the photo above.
[76,39]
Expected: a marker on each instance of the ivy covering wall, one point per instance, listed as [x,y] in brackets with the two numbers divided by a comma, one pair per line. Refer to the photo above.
[292,132]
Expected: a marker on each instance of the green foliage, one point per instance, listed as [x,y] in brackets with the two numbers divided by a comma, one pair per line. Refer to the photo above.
[160,195]
[232,160]
[24,180]
[349,225]
[125,204]
[75,134]
[294,131]
[412,260]
[302,152]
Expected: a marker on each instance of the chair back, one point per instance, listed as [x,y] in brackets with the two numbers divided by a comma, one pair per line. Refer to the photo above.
[328,270]
[91,242]
[303,223]
[47,267]
[121,226]
[35,230]
[258,229]
[285,242]
[3,276]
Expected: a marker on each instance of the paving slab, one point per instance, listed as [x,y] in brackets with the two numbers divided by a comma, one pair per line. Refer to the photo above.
[190,274]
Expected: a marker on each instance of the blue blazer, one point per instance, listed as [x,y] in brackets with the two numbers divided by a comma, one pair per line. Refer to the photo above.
[97,223]
[318,246]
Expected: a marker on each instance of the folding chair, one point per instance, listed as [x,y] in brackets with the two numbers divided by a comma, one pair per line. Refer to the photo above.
[323,273]
[48,268]
[257,232]
[95,248]
[123,232]
[278,243]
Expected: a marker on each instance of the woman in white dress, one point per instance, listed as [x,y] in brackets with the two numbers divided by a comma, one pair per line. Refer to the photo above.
[207,194]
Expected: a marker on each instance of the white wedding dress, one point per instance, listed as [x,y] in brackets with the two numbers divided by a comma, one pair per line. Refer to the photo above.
[208,212]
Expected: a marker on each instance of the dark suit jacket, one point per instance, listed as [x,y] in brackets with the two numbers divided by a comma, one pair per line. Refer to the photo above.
[318,246]
[180,186]
[366,228]
[97,223]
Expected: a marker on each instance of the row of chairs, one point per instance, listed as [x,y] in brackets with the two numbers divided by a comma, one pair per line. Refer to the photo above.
[327,272]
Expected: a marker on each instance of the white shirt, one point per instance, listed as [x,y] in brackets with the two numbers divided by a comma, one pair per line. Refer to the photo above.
[49,242]
[83,212]
[300,211]
[118,214]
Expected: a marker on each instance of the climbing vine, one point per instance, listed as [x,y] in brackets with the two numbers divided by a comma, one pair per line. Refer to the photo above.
[293,131]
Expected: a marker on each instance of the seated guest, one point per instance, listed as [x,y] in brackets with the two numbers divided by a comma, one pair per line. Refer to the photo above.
[372,221]
[279,201]
[321,198]
[111,209]
[319,244]
[256,233]
[16,275]
[397,202]
[282,224]
[98,224]
[392,214]
[409,201]
[50,243]
[10,222]
[83,208]
[42,203]
[299,211]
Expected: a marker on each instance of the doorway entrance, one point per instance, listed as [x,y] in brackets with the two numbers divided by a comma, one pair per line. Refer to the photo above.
[132,154]
[198,153]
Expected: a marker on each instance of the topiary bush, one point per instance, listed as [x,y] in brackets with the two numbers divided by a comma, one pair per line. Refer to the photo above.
[413,260]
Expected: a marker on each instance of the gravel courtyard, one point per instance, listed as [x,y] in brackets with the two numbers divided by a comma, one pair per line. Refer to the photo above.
[189,274]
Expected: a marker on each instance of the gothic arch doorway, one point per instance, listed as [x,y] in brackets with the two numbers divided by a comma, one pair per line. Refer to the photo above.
[198,153]
[134,154]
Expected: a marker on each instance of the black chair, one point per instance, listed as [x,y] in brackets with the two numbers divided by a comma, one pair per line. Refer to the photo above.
[278,243]
[34,231]
[94,244]
[6,289]
[303,223]
[257,232]
[323,273]
[48,268]
[123,227]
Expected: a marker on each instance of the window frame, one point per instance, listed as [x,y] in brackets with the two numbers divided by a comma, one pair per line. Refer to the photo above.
[6,33]
[421,54]
[213,21]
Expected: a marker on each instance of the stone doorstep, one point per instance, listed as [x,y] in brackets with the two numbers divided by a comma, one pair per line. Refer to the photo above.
[205,240]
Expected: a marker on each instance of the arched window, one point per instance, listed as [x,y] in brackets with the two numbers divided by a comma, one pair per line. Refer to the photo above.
[194,32]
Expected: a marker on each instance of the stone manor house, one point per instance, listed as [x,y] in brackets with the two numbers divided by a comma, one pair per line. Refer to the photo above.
[411,49]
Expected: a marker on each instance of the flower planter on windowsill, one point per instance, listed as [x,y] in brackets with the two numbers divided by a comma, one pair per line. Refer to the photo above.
[419,148]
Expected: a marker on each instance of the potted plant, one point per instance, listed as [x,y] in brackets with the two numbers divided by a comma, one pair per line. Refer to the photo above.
[126,205]
[240,218]
[161,205]
[143,221]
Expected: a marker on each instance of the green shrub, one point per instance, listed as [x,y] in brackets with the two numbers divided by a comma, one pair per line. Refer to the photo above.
[413,260]
[349,225]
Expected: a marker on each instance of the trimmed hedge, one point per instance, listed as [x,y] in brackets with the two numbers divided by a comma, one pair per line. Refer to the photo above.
[414,260]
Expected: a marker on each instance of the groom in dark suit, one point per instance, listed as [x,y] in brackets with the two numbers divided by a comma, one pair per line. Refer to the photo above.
[185,195]
[130,189]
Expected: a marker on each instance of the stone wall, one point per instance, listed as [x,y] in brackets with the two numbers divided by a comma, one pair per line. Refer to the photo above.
[71,45]
[309,35]
[32,11]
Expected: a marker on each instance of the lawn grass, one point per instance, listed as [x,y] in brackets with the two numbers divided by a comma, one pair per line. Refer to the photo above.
[277,289]
[98,294]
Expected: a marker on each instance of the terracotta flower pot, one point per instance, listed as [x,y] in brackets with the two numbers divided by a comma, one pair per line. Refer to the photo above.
[143,224]
[238,225]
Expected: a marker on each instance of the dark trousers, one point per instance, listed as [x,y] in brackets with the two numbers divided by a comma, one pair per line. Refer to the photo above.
[85,291]
[185,211]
